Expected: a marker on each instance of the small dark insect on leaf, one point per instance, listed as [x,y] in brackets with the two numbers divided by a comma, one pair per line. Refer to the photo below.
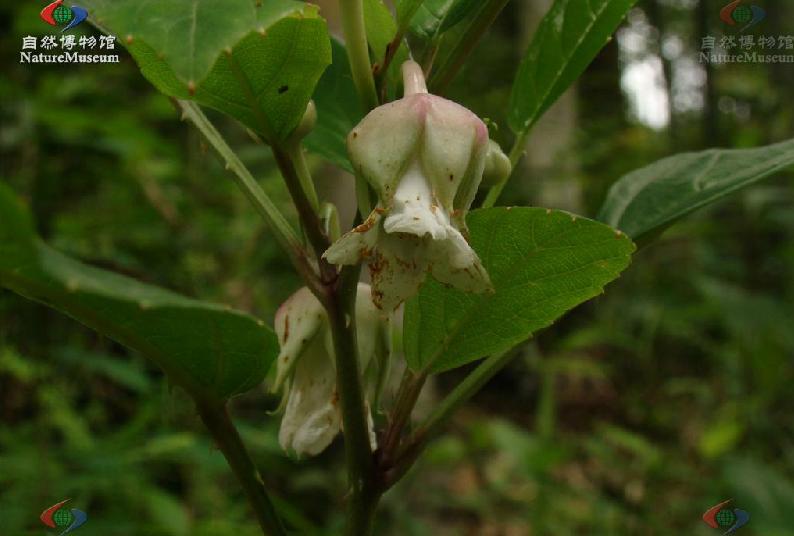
[283,89]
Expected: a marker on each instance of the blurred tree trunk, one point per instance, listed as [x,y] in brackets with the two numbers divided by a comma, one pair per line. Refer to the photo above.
[551,162]
[656,16]
[710,132]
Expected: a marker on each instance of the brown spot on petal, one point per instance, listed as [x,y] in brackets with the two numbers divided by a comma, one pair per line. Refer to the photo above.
[286,328]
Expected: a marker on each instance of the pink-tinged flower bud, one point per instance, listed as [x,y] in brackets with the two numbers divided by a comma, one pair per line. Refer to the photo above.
[424,156]
[306,369]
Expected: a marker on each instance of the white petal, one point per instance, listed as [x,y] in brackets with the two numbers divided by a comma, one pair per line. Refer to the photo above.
[369,326]
[297,323]
[456,263]
[397,268]
[312,418]
[358,244]
[383,144]
[454,147]
[414,209]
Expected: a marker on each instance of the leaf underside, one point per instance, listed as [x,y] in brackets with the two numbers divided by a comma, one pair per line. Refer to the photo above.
[210,350]
[651,198]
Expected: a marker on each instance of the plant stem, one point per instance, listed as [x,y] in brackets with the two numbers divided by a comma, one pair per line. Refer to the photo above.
[358,51]
[477,28]
[216,419]
[308,216]
[296,153]
[516,152]
[413,446]
[407,395]
[360,463]
[278,225]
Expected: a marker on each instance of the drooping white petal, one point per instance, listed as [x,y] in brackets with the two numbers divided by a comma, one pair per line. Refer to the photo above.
[455,263]
[414,209]
[358,244]
[297,323]
[312,418]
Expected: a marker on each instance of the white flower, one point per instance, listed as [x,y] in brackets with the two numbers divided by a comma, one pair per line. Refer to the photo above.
[424,156]
[306,368]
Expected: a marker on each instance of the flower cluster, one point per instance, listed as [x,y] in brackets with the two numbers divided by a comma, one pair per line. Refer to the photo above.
[306,370]
[424,156]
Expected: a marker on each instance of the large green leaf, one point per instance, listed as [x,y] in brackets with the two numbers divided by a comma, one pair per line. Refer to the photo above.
[541,262]
[338,110]
[437,16]
[567,40]
[647,200]
[256,61]
[210,350]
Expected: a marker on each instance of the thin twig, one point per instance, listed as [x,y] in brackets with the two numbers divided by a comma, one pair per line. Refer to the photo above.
[281,229]
[216,419]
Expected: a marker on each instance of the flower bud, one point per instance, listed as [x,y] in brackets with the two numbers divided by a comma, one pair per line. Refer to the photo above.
[424,156]
[306,368]
[306,125]
[497,165]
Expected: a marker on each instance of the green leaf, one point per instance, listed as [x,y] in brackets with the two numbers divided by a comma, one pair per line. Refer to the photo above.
[437,16]
[380,26]
[210,350]
[256,61]
[566,41]
[406,10]
[651,198]
[541,262]
[338,110]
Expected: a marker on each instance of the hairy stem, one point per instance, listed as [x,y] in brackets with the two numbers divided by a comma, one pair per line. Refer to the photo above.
[216,419]
[363,496]
[358,51]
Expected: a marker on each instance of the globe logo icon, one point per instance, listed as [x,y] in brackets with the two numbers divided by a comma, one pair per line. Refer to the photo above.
[67,519]
[722,516]
[738,13]
[63,518]
[57,14]
[725,518]
[742,14]
[62,14]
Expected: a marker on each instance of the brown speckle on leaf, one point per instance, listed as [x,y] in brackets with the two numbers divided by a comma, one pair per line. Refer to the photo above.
[129,39]
[191,87]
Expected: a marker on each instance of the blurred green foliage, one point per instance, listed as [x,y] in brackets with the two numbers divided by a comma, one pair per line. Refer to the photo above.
[631,416]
